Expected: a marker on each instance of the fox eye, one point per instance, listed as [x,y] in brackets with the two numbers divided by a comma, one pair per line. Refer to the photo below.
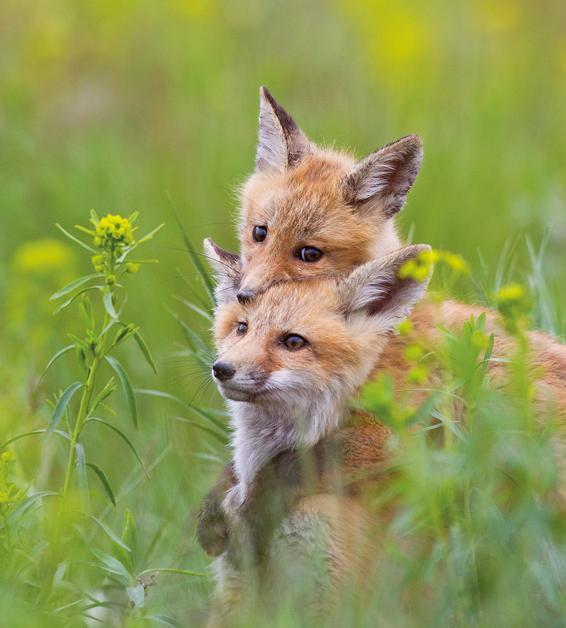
[259,233]
[242,328]
[294,342]
[309,254]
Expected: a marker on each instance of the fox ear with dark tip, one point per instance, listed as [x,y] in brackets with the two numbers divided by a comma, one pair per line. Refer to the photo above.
[281,144]
[383,179]
[384,291]
[227,268]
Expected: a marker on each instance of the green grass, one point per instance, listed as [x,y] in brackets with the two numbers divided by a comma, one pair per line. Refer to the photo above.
[142,105]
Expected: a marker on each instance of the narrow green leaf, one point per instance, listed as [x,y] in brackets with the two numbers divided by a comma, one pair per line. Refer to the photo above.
[127,387]
[112,566]
[110,533]
[195,308]
[145,350]
[88,232]
[171,570]
[108,305]
[149,236]
[57,355]
[73,285]
[195,259]
[103,480]
[165,621]
[94,217]
[33,433]
[108,389]
[136,595]
[74,239]
[27,504]
[68,302]
[61,405]
[123,437]
[81,474]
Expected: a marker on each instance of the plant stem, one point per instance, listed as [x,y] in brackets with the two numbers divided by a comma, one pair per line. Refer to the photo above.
[84,406]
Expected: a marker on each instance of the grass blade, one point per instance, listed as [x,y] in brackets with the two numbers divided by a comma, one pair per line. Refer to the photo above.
[74,239]
[57,355]
[61,405]
[33,433]
[127,387]
[81,473]
[73,285]
[124,438]
[145,350]
[110,533]
[103,480]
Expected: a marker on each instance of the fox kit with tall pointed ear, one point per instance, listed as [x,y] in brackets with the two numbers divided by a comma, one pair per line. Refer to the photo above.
[310,211]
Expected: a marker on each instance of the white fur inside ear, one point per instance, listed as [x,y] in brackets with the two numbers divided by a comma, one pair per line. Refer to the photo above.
[375,292]
[373,175]
[271,147]
[226,268]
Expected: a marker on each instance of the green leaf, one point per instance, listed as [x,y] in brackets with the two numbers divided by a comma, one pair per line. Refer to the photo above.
[164,620]
[85,310]
[195,308]
[123,437]
[136,595]
[74,239]
[61,405]
[127,387]
[171,570]
[94,217]
[27,504]
[108,389]
[145,350]
[149,236]
[108,305]
[68,302]
[81,474]
[56,356]
[195,259]
[112,566]
[103,480]
[33,433]
[110,533]
[73,285]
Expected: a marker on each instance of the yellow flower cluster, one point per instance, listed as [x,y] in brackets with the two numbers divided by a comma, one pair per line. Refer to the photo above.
[113,232]
[420,267]
[514,303]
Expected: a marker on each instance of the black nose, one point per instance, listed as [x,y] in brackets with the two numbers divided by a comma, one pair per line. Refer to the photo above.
[223,371]
[244,295]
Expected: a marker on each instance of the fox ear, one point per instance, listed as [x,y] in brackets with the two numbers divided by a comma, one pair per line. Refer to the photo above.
[386,290]
[227,268]
[281,144]
[384,178]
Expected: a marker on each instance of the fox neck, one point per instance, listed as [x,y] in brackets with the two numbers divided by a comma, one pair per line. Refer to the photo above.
[261,431]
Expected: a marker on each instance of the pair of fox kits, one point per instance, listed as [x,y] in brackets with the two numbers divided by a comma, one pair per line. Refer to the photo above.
[306,314]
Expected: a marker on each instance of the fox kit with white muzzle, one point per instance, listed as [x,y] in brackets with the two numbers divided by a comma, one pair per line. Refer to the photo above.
[289,362]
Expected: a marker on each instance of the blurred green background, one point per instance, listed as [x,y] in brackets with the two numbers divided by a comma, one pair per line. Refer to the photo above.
[138,104]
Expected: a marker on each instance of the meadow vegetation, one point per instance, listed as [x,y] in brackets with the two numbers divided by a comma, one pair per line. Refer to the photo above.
[152,106]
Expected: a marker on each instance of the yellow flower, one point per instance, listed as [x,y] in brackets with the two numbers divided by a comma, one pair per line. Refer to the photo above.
[511,293]
[113,232]
[8,456]
[43,257]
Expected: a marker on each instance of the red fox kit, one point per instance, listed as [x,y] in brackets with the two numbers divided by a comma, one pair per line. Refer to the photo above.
[289,361]
[308,211]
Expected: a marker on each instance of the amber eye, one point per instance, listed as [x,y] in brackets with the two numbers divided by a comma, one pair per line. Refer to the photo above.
[309,254]
[259,233]
[294,342]
[242,328]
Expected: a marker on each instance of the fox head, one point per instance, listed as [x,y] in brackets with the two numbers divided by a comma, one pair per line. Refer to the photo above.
[308,211]
[301,349]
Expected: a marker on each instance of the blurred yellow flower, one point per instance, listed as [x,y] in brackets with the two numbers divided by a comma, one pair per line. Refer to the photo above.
[43,257]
